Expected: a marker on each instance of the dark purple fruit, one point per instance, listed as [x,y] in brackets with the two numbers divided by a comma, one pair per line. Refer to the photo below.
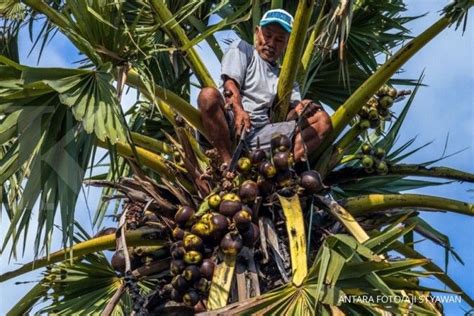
[311,181]
[207,269]
[192,257]
[265,187]
[176,296]
[151,217]
[177,266]
[202,285]
[106,231]
[184,216]
[178,233]
[177,250]
[191,298]
[251,236]
[118,261]
[230,204]
[219,223]
[248,191]
[242,219]
[244,164]
[257,156]
[267,169]
[192,242]
[214,201]
[180,284]
[231,244]
[283,160]
[280,143]
[284,178]
[191,273]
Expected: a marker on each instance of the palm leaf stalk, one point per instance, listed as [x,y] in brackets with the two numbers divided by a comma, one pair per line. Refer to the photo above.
[291,61]
[365,204]
[151,144]
[176,32]
[134,238]
[347,111]
[350,173]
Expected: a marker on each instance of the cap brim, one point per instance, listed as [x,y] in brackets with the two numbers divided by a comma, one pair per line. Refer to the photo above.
[285,26]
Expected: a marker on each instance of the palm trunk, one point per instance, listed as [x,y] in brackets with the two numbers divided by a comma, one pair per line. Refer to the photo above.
[364,204]
[176,32]
[346,112]
[292,59]
[134,238]
[351,174]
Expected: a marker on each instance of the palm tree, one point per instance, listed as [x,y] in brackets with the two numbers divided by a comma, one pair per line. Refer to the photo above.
[336,249]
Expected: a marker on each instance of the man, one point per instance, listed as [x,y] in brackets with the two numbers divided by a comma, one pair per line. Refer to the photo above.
[250,78]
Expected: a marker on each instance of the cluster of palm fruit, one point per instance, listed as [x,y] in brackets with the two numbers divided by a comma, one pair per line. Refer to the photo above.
[227,220]
[377,108]
[373,159]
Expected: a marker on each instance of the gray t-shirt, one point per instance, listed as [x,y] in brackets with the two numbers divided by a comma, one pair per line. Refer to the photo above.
[258,80]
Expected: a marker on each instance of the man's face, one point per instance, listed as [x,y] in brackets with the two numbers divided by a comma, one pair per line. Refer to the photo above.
[271,41]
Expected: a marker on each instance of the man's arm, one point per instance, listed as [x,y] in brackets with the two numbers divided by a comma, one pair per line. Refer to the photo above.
[232,96]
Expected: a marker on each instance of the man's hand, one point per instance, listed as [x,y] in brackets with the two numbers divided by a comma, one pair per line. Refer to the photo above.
[309,108]
[242,120]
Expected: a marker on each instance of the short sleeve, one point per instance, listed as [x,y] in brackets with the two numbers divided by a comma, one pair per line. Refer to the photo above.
[235,61]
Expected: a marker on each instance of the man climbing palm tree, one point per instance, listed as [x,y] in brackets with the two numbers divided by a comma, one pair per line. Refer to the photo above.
[250,78]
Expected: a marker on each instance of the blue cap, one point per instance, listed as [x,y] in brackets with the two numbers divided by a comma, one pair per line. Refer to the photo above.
[278,16]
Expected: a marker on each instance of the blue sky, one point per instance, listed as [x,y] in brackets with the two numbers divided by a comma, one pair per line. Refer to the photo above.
[445,106]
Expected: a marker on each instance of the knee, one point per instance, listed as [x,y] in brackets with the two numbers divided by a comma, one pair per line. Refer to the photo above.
[209,100]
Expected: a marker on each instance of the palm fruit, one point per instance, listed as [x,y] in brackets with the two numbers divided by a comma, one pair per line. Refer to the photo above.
[218,224]
[364,124]
[177,250]
[384,113]
[369,170]
[386,102]
[367,161]
[184,216]
[230,204]
[284,178]
[202,285]
[192,242]
[379,152]
[244,164]
[364,111]
[383,91]
[392,92]
[191,298]
[242,219]
[118,261]
[214,201]
[248,191]
[207,269]
[267,169]
[311,182]
[382,168]
[177,266]
[178,233]
[373,114]
[200,307]
[265,186]
[283,160]
[201,229]
[257,156]
[366,149]
[191,273]
[176,296]
[180,284]
[192,257]
[280,143]
[231,244]
[374,123]
[251,235]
